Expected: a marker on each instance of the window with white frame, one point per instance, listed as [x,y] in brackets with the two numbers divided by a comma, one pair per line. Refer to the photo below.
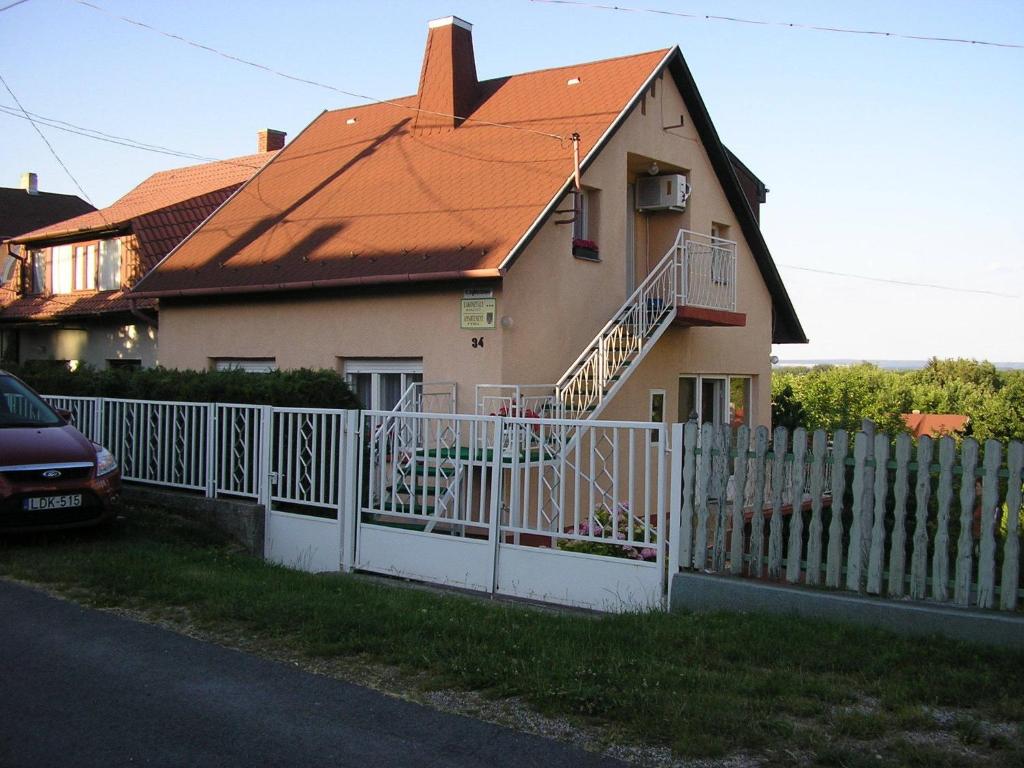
[247,364]
[379,383]
[656,412]
[715,400]
[37,274]
[109,264]
[63,268]
[85,267]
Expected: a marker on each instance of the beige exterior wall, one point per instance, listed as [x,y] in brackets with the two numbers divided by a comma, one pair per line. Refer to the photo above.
[553,303]
[321,332]
[93,344]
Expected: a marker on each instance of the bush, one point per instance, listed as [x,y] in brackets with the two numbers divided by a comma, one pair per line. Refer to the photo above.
[298,388]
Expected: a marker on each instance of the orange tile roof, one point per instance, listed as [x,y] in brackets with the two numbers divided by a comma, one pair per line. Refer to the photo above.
[934,424]
[377,200]
[158,191]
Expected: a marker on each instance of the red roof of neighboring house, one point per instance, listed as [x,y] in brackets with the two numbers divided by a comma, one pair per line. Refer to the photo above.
[160,190]
[21,212]
[160,212]
[934,424]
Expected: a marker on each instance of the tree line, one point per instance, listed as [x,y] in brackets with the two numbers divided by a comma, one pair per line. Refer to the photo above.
[840,397]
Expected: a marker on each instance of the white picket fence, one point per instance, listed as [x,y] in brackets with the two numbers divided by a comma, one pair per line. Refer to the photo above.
[590,513]
[884,518]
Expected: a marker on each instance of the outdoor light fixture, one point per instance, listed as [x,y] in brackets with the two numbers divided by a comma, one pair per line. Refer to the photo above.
[653,168]
[506,322]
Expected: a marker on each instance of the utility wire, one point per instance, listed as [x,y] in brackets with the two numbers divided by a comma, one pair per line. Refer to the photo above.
[91,133]
[791,25]
[306,81]
[893,281]
[46,141]
[11,5]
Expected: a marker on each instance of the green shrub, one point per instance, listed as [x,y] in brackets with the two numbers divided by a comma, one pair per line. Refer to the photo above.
[298,388]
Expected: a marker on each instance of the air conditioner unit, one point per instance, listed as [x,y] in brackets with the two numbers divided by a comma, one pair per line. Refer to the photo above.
[662,193]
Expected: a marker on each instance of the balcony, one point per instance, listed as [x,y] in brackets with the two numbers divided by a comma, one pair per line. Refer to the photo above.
[705,271]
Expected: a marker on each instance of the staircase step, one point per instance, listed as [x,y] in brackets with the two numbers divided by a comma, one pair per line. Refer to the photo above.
[428,470]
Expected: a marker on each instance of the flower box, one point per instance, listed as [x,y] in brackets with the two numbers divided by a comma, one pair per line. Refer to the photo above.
[585,249]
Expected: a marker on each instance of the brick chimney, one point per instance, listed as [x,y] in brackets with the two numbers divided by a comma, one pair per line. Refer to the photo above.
[448,83]
[269,140]
[30,183]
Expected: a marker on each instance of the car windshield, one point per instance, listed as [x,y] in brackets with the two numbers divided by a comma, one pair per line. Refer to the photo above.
[21,407]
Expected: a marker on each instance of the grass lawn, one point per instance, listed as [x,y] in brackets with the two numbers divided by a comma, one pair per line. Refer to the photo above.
[789,691]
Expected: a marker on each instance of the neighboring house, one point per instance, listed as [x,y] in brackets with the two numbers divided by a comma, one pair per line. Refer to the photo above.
[396,243]
[23,209]
[935,424]
[67,299]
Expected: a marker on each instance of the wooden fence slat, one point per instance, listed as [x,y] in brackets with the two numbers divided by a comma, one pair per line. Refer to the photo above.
[855,555]
[779,440]
[700,543]
[965,542]
[721,468]
[818,447]
[867,513]
[987,537]
[689,470]
[876,556]
[834,561]
[940,555]
[757,518]
[898,548]
[739,495]
[1011,548]
[796,517]
[923,492]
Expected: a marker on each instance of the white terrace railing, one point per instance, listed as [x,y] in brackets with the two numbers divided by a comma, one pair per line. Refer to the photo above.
[697,271]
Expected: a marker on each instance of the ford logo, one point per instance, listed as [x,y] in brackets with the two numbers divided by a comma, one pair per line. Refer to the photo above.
[51,473]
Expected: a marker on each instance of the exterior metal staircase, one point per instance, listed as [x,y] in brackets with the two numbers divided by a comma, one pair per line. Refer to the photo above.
[697,271]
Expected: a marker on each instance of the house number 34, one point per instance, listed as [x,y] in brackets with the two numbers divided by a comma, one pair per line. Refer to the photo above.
[478,342]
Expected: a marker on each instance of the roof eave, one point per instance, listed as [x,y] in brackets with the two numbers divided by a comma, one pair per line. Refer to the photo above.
[340,282]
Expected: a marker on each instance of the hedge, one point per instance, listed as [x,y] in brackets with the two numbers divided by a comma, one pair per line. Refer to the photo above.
[297,388]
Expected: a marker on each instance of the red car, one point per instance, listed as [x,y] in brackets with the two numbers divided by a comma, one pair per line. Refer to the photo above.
[51,475]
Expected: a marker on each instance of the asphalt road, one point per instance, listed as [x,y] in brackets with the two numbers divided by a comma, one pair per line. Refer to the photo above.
[83,688]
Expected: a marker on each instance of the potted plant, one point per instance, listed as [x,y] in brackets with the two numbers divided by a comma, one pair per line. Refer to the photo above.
[585,249]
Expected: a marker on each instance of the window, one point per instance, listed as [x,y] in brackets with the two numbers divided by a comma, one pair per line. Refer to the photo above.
[37,275]
[63,268]
[657,412]
[584,225]
[715,399]
[247,364]
[380,383]
[85,267]
[124,362]
[110,265]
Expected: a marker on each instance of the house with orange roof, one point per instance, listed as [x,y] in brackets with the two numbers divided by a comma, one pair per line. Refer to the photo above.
[66,297]
[574,241]
[935,424]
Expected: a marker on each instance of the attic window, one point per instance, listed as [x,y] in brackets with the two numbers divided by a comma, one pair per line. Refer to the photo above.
[350,121]
[573,81]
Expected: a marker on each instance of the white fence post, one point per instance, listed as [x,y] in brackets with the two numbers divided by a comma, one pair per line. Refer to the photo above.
[675,528]
[211,450]
[494,503]
[348,493]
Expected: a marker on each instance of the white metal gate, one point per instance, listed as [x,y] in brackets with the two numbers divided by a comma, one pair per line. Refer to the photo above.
[310,466]
[427,495]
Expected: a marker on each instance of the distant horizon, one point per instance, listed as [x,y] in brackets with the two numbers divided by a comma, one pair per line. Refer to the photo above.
[888,364]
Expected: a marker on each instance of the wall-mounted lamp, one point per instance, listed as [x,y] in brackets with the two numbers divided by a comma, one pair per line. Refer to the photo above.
[653,168]
[506,322]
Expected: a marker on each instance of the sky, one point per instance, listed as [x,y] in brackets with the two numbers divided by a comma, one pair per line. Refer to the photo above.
[890,158]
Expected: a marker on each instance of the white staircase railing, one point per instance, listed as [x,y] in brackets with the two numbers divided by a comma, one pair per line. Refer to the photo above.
[696,271]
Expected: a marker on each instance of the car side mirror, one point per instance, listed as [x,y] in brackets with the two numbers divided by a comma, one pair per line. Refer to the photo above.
[65,414]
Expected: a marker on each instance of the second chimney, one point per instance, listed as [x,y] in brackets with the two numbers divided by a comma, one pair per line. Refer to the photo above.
[30,183]
[270,140]
[448,84]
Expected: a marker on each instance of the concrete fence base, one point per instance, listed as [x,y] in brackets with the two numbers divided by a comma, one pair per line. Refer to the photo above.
[243,521]
[702,592]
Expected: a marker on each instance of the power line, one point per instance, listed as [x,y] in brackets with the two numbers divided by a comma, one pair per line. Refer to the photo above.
[92,133]
[306,81]
[789,24]
[45,140]
[893,281]
[11,5]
